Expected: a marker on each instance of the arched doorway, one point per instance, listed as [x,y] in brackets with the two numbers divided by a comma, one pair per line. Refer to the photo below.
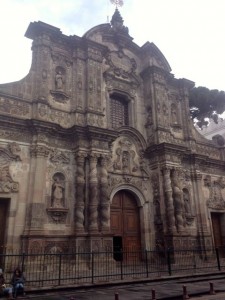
[125,225]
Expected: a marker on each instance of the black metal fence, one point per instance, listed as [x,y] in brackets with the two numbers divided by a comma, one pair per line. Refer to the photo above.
[78,268]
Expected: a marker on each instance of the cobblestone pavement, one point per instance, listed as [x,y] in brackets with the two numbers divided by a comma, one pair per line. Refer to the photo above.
[164,289]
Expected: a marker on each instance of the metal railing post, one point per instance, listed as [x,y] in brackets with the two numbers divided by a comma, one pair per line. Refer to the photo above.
[121,267]
[60,266]
[169,262]
[146,261]
[218,259]
[22,264]
[92,267]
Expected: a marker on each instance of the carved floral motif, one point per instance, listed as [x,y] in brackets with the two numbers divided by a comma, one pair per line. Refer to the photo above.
[14,107]
[59,157]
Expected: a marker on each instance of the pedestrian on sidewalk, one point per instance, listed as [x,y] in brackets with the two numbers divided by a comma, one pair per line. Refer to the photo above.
[18,281]
[5,289]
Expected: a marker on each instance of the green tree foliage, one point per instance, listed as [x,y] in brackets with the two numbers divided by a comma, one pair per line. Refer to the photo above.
[206,104]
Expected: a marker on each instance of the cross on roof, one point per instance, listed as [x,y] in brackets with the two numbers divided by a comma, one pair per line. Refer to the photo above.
[117,2]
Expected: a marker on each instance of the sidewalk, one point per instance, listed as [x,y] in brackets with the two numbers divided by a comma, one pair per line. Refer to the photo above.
[166,290]
[218,296]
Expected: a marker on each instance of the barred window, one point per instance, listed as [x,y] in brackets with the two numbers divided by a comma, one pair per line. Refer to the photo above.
[119,111]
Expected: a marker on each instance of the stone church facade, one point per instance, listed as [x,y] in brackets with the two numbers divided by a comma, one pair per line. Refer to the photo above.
[98,151]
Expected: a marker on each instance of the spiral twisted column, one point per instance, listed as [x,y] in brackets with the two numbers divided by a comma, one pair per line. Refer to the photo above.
[93,199]
[80,185]
[178,203]
[104,198]
[169,201]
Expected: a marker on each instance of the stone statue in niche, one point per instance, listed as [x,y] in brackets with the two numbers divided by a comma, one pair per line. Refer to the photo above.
[126,161]
[174,114]
[59,80]
[59,92]
[187,204]
[58,191]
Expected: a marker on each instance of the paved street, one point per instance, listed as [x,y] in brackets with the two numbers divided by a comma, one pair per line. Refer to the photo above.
[164,289]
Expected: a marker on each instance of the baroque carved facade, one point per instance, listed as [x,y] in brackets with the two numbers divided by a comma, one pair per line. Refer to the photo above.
[96,118]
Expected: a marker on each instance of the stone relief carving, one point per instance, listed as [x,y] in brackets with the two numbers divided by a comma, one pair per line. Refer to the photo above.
[79,84]
[117,84]
[149,121]
[125,158]
[104,202]
[35,247]
[138,182]
[178,198]
[170,219]
[39,150]
[121,64]
[187,207]
[14,107]
[19,135]
[178,203]
[169,138]
[7,155]
[52,115]
[59,157]
[208,151]
[94,193]
[215,187]
[95,54]
[56,247]
[157,217]
[184,177]
[7,184]
[80,194]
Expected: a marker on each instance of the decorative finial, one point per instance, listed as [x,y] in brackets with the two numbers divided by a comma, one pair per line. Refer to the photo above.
[117,2]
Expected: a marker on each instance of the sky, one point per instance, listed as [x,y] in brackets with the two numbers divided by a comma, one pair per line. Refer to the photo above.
[189,33]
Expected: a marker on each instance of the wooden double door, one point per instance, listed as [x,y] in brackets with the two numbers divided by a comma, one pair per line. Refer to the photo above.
[4,208]
[217,230]
[125,225]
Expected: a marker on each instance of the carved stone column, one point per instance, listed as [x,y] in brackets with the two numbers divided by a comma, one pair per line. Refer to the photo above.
[93,195]
[169,201]
[80,184]
[200,216]
[104,199]
[178,202]
[39,154]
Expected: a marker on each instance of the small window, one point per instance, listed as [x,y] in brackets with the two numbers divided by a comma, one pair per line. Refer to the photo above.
[118,111]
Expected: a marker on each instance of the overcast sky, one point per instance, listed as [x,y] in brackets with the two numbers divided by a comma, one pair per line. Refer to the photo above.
[190,33]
